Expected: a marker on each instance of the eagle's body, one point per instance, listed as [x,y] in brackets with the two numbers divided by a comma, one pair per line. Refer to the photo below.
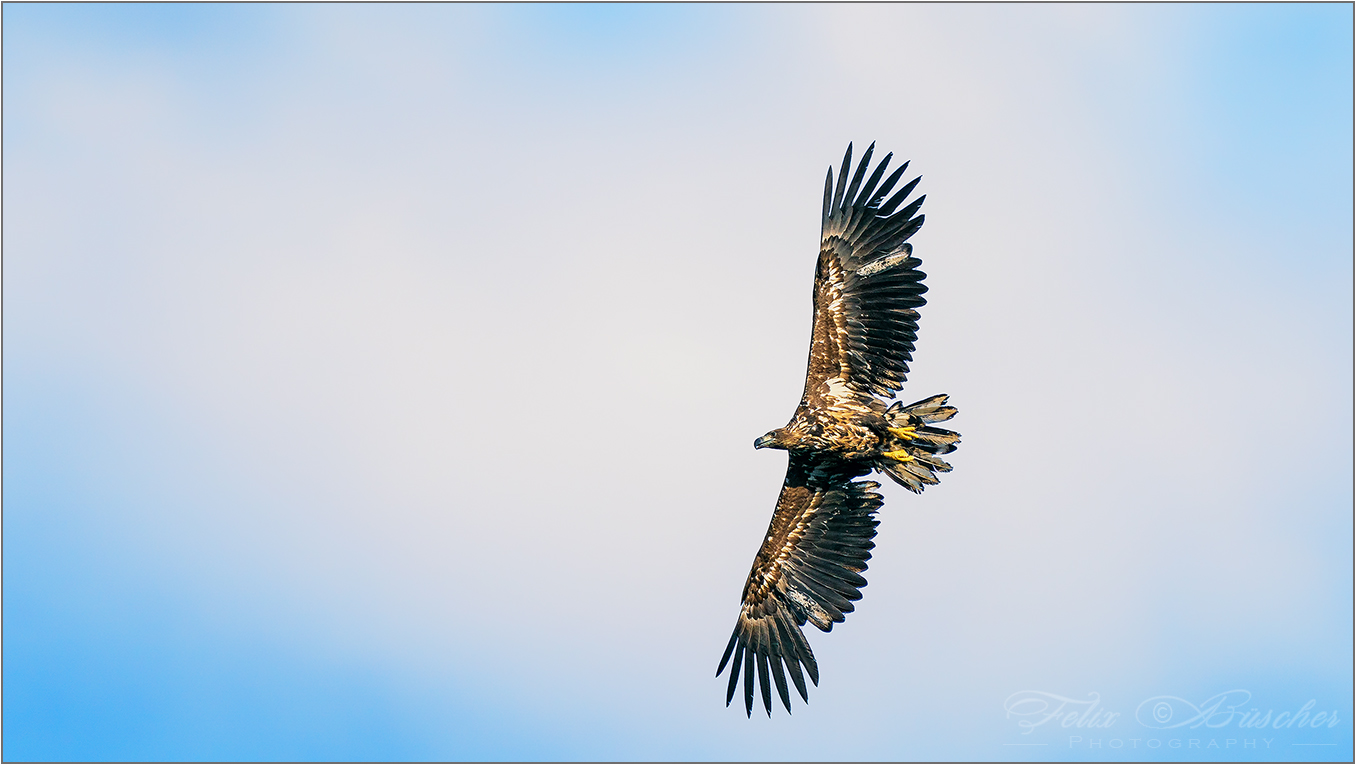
[867,290]
[832,419]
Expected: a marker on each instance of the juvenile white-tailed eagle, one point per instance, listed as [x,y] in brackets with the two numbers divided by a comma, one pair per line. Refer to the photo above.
[867,292]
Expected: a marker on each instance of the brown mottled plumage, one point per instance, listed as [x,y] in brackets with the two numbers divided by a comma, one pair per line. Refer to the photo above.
[809,568]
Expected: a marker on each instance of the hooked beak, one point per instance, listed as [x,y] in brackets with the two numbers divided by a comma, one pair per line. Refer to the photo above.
[763,442]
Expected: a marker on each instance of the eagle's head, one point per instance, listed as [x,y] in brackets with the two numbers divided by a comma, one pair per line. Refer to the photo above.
[774,439]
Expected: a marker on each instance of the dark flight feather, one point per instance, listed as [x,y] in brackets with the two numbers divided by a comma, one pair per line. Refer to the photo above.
[734,674]
[815,550]
[858,230]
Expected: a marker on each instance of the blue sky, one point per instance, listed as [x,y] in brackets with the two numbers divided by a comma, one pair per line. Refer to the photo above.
[380,380]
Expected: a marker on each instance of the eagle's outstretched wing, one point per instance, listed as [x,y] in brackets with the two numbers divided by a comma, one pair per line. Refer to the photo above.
[867,284]
[809,568]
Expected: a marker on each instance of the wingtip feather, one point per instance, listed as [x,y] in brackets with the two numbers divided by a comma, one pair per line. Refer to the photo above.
[850,198]
[734,675]
[842,180]
[734,638]
[748,680]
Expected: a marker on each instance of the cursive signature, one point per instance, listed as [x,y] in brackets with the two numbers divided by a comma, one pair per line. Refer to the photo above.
[1039,708]
[1224,708]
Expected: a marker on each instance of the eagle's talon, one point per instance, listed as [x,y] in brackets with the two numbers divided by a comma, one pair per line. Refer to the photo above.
[898,456]
[907,433]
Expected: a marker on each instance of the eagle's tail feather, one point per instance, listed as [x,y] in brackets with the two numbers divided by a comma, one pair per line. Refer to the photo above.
[912,458]
[928,410]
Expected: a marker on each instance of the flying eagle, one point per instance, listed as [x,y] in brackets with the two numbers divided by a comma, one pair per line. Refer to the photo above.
[867,292]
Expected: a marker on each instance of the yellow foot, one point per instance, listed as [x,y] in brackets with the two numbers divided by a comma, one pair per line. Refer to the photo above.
[907,434]
[899,456]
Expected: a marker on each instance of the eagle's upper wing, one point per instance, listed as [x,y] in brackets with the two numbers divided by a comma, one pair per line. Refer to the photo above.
[867,283]
[809,568]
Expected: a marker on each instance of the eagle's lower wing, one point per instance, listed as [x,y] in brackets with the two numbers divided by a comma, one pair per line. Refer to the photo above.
[867,284]
[808,569]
